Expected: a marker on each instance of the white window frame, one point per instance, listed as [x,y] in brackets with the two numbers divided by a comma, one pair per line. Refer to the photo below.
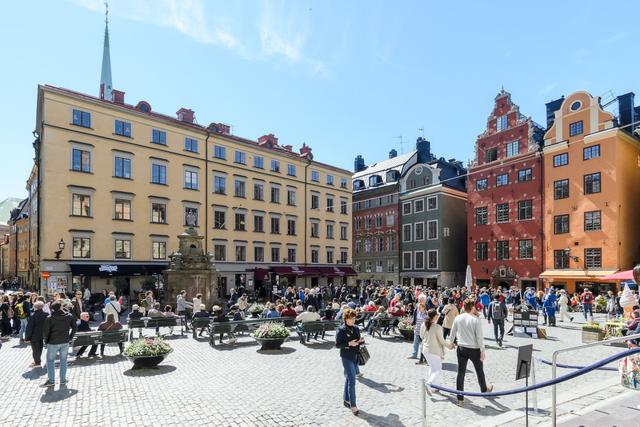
[410,208]
[437,260]
[509,148]
[415,262]
[434,198]
[411,230]
[415,232]
[415,208]
[404,267]
[427,229]
[500,126]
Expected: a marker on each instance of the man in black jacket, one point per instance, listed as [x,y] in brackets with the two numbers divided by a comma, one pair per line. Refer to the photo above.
[59,329]
[35,327]
[83,327]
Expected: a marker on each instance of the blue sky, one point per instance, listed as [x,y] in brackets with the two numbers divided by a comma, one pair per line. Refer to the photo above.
[347,78]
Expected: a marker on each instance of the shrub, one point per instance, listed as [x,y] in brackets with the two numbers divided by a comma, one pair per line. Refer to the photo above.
[147,347]
[271,330]
[256,308]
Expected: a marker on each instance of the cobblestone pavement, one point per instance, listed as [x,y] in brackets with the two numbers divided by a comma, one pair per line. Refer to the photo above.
[301,385]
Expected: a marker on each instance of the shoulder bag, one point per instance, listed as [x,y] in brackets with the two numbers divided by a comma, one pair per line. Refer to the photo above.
[363,355]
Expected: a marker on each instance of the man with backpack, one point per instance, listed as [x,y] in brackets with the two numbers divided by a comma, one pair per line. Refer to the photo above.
[22,309]
[587,304]
[497,313]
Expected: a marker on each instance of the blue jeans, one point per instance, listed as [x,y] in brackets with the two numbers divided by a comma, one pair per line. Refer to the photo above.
[350,367]
[23,327]
[587,309]
[52,351]
[416,343]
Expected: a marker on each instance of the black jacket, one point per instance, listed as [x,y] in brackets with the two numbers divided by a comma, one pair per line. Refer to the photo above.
[59,328]
[84,326]
[343,336]
[35,326]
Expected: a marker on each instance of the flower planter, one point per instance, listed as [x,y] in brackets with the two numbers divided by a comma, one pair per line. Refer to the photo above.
[255,314]
[270,343]
[590,335]
[147,362]
[407,334]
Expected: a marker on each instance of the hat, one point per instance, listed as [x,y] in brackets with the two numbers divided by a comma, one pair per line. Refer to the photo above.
[352,304]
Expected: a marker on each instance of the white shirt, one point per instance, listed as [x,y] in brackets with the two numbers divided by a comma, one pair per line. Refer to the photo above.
[467,329]
[112,307]
[308,316]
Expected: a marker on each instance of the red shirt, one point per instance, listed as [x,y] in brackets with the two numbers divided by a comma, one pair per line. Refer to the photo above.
[370,308]
[288,312]
[584,294]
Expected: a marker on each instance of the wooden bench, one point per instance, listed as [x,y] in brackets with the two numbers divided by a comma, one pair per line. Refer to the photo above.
[318,327]
[82,339]
[362,317]
[199,323]
[216,328]
[384,325]
[156,323]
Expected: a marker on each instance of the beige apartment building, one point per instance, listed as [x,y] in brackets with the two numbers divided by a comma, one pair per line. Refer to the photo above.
[113,183]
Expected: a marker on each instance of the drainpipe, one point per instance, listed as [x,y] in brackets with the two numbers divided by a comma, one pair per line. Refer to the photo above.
[305,217]
[206,192]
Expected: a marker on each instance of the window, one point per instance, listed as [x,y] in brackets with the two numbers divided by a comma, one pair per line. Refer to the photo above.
[593,258]
[81,247]
[315,229]
[502,212]
[561,189]
[220,152]
[159,213]
[158,174]
[378,221]
[329,231]
[592,221]
[343,232]
[432,260]
[81,160]
[406,208]
[482,184]
[525,175]
[81,205]
[219,185]
[122,209]
[502,249]
[315,256]
[315,176]
[240,157]
[258,162]
[390,220]
[482,251]
[122,167]
[491,155]
[194,212]
[275,195]
[239,188]
[158,136]
[275,166]
[258,254]
[315,201]
[592,152]
[82,118]
[275,254]
[191,144]
[343,182]
[391,243]
[592,183]
[501,123]
[575,128]
[560,259]
[329,179]
[329,256]
[123,128]
[344,256]
[406,260]
[513,148]
[560,160]
[560,224]
[291,170]
[191,180]
[502,179]
[482,216]
[159,250]
[406,232]
[329,204]
[258,223]
[291,197]
[240,222]
[219,220]
[291,254]
[291,227]
[275,225]
[418,263]
[123,249]
[241,253]
[525,209]
[343,206]
[432,230]
[220,252]
[367,223]
[525,249]
[432,203]
[258,191]
[418,206]
[418,231]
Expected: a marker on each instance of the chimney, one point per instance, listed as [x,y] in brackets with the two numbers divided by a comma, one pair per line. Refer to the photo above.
[358,164]
[118,96]
[220,128]
[185,115]
[552,107]
[305,151]
[268,141]
[392,154]
[626,112]
[423,147]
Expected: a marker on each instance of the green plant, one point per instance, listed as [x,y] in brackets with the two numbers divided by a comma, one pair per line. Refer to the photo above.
[271,330]
[256,308]
[405,324]
[591,325]
[147,347]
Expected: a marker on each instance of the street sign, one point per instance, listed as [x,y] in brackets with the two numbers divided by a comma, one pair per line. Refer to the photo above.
[524,361]
[45,275]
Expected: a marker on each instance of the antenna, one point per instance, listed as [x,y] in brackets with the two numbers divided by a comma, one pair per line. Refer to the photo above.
[421,130]
[106,13]
[401,144]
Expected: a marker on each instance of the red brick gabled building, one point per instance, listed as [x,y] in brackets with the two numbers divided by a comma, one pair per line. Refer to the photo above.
[505,200]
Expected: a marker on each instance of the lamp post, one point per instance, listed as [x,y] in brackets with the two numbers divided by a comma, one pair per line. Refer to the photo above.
[567,252]
[61,246]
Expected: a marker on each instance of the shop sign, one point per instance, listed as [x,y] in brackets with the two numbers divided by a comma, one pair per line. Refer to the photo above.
[108,268]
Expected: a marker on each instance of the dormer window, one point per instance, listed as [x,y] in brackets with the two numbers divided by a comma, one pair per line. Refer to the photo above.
[375,180]
[358,184]
[393,176]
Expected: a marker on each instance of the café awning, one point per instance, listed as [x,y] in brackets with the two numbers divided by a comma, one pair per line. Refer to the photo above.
[577,274]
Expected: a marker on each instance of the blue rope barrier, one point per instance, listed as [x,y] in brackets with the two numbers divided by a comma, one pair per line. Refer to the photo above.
[561,365]
[543,384]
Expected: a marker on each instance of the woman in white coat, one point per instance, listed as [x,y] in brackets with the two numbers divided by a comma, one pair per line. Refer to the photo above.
[433,345]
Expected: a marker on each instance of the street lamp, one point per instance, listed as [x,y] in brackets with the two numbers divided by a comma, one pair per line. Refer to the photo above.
[567,252]
[61,245]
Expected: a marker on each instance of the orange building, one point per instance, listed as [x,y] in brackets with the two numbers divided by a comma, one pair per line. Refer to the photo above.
[592,167]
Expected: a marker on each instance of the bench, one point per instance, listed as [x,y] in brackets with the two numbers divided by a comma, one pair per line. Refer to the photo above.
[316,327]
[362,317]
[383,325]
[82,339]
[156,323]
[221,328]
[199,323]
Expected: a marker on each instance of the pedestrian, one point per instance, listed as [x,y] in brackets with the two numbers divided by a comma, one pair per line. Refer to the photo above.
[22,311]
[587,304]
[348,340]
[433,345]
[34,333]
[485,300]
[112,307]
[467,330]
[496,313]
[6,313]
[78,305]
[59,329]
[549,304]
[450,312]
[183,307]
[419,315]
[563,303]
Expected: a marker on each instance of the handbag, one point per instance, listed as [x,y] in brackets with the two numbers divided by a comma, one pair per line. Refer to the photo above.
[363,355]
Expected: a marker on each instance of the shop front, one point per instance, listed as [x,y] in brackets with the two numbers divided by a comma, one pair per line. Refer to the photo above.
[574,281]
[126,278]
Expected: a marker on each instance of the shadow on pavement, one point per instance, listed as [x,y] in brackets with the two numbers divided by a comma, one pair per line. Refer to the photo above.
[320,345]
[152,372]
[34,373]
[381,387]
[452,367]
[377,420]
[51,395]
[283,350]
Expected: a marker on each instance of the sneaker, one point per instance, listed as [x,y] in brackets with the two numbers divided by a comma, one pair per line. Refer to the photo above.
[412,357]
[461,403]
[63,382]
[47,384]
[489,388]
[37,366]
[359,375]
[500,343]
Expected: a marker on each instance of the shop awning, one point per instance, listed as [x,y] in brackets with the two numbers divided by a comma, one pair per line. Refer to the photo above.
[577,274]
[288,270]
[116,269]
[260,273]
[620,275]
[348,271]
[417,275]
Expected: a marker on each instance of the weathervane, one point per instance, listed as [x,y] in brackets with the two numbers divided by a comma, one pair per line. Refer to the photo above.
[106,14]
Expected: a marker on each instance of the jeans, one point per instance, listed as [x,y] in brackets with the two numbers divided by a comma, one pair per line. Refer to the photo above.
[498,324]
[52,351]
[36,350]
[587,309]
[350,368]
[464,355]
[435,368]
[416,343]
[23,327]
[446,332]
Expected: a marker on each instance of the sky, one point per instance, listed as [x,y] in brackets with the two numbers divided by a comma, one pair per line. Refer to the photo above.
[345,77]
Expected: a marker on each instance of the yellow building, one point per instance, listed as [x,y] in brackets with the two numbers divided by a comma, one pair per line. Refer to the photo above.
[591,171]
[115,182]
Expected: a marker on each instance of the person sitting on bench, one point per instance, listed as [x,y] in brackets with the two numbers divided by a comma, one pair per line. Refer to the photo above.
[109,325]
[204,314]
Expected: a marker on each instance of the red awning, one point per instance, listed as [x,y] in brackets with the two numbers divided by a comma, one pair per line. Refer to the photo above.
[260,273]
[288,271]
[620,275]
[348,271]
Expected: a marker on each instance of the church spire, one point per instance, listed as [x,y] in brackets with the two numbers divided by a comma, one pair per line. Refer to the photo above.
[106,85]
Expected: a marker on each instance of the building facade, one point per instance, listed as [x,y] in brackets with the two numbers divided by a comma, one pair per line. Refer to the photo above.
[505,200]
[18,269]
[591,175]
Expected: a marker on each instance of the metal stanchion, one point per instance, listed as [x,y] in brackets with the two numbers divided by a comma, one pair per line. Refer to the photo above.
[423,396]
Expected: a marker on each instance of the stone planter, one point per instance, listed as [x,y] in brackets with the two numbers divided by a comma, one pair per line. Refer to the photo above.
[270,343]
[147,362]
[407,334]
[592,335]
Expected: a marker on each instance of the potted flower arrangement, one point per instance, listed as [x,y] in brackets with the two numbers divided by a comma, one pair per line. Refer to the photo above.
[147,352]
[255,309]
[613,329]
[271,335]
[591,332]
[406,328]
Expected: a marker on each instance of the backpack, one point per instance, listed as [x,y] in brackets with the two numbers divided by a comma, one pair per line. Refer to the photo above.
[497,311]
[587,298]
[22,313]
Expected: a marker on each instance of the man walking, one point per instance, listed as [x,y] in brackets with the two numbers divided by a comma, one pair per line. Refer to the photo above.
[182,307]
[59,329]
[467,330]
[497,313]
[587,304]
[35,328]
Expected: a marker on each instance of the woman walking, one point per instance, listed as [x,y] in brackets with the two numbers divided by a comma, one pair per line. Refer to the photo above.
[433,347]
[348,341]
